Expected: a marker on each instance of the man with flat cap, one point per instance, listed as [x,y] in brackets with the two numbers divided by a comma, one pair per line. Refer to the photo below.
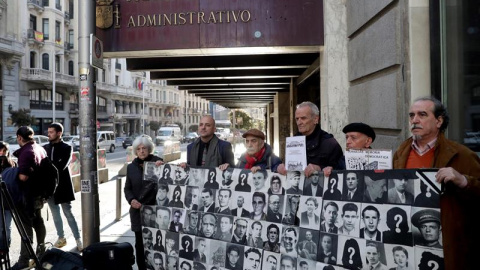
[428,223]
[259,155]
[357,136]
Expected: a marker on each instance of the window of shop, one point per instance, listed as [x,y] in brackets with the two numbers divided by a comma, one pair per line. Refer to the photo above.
[458,23]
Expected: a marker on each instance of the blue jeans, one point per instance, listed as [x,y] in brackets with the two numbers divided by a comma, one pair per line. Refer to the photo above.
[57,218]
[8,223]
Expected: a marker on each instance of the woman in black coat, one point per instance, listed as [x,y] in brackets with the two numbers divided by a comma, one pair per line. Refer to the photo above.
[143,148]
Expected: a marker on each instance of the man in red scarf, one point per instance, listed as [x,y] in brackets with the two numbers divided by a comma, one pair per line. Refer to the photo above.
[259,155]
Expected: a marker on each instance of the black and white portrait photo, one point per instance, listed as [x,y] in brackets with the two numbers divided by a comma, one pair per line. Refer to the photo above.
[428,259]
[275,208]
[314,185]
[353,186]
[290,213]
[162,218]
[234,259]
[224,228]
[147,235]
[224,196]
[192,221]
[307,244]
[150,172]
[208,225]
[333,186]
[306,264]
[398,224]
[162,195]
[243,181]
[148,216]
[271,261]
[372,222]
[289,241]
[176,196]
[400,190]
[155,260]
[196,177]
[399,257]
[186,246]
[207,199]
[277,184]
[159,242]
[201,251]
[172,262]
[178,219]
[327,248]
[427,228]
[260,181]
[192,195]
[238,205]
[309,212]
[253,259]
[375,257]
[330,212]
[272,236]
[240,228]
[349,219]
[171,243]
[375,189]
[254,236]
[185,264]
[167,175]
[295,182]
[181,175]
[259,205]
[228,181]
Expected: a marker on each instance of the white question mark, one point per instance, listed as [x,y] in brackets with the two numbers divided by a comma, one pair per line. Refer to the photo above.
[434,264]
[187,244]
[429,194]
[243,179]
[400,219]
[334,181]
[351,250]
[177,194]
[212,174]
[166,171]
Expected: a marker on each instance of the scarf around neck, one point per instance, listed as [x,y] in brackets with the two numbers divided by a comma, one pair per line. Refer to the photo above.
[251,160]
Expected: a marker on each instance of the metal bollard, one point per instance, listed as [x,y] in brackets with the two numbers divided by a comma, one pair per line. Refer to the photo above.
[119,199]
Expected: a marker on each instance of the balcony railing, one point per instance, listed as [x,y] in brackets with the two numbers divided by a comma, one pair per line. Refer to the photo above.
[45,76]
[45,105]
[36,4]
[67,18]
[58,6]
[35,37]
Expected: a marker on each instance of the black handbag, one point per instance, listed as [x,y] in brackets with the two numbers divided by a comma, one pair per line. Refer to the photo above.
[148,193]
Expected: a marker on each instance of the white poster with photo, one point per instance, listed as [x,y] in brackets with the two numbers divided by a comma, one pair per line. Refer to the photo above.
[368,159]
[296,153]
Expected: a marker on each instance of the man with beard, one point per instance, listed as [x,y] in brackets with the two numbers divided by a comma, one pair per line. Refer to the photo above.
[371,218]
[259,155]
[289,243]
[273,214]
[330,212]
[399,193]
[258,203]
[273,236]
[314,188]
[307,248]
[240,232]
[223,201]
[240,211]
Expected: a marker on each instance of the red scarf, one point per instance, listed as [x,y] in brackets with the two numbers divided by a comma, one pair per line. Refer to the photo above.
[251,160]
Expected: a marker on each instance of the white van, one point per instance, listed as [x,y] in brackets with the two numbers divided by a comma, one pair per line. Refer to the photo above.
[169,133]
[106,140]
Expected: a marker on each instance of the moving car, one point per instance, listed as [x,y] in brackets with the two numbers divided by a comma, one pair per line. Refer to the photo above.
[190,137]
[129,140]
[168,133]
[74,141]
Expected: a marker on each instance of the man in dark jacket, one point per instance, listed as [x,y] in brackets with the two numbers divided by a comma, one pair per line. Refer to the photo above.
[322,148]
[60,154]
[259,155]
[208,150]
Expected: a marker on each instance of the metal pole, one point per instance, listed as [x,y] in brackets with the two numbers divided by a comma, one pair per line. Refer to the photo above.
[119,199]
[53,85]
[88,127]
[143,110]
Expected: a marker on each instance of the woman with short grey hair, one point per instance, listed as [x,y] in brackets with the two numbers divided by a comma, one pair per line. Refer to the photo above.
[143,149]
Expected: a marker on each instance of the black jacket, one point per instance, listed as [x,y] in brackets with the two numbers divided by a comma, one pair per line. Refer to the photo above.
[60,154]
[322,149]
[133,188]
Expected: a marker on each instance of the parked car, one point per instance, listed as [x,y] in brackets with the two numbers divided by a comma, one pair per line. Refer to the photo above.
[12,140]
[190,137]
[106,140]
[129,140]
[74,141]
[472,140]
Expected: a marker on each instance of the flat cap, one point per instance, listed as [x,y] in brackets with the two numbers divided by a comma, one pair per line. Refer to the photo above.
[360,127]
[254,132]
[427,215]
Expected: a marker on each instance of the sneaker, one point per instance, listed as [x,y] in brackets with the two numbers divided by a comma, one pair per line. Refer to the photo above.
[40,250]
[79,244]
[61,242]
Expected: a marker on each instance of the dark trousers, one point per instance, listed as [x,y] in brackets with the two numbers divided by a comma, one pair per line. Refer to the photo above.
[139,252]
[30,222]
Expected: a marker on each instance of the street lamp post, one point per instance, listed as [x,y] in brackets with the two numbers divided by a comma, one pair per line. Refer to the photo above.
[54,71]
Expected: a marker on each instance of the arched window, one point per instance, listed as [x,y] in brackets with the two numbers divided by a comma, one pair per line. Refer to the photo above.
[45,61]
[33,55]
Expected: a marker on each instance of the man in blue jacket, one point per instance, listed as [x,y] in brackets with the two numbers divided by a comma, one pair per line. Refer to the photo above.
[259,155]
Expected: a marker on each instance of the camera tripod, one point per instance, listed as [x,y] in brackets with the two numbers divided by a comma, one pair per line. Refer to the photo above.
[6,198]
